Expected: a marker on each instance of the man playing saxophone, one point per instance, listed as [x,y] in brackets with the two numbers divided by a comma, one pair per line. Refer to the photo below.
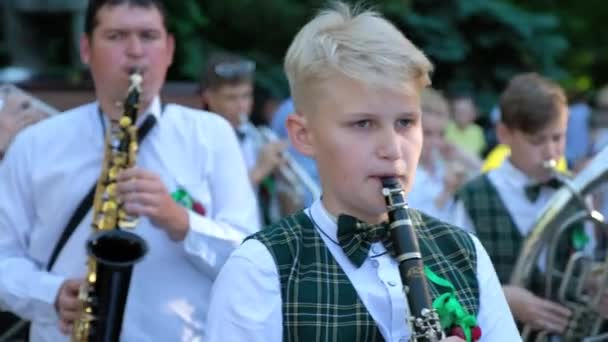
[501,206]
[188,156]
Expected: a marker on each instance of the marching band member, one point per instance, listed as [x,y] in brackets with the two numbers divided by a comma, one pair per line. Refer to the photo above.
[320,274]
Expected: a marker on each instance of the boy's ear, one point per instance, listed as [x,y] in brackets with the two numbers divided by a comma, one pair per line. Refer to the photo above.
[503,133]
[300,134]
[85,49]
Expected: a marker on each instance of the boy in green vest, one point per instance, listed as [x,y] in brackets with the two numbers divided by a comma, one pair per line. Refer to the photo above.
[501,206]
[318,275]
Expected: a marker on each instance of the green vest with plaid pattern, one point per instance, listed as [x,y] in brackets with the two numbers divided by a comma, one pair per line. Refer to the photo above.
[494,226]
[319,301]
[498,233]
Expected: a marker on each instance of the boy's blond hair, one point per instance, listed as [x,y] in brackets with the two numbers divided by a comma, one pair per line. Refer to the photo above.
[434,103]
[360,45]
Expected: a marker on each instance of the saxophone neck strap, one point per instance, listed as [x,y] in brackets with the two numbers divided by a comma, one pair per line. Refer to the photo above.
[87,202]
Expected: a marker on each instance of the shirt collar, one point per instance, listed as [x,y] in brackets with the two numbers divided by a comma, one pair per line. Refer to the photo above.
[513,175]
[323,219]
[155,108]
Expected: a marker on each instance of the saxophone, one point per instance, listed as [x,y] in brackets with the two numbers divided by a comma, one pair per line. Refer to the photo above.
[111,249]
[424,321]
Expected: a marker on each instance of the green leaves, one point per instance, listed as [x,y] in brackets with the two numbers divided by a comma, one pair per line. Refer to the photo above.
[476,45]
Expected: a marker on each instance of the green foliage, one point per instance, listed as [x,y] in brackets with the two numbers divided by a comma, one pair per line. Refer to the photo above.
[582,23]
[476,45]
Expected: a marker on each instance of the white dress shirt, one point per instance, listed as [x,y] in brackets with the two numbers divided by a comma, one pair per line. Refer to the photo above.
[246,302]
[426,189]
[52,165]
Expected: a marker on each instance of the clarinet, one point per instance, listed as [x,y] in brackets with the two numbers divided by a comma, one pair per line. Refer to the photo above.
[423,321]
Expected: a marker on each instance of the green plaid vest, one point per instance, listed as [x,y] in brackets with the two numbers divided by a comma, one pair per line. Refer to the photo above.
[494,226]
[319,301]
[498,233]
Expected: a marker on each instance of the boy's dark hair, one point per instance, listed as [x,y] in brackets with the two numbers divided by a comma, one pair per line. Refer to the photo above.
[531,102]
[90,21]
[226,69]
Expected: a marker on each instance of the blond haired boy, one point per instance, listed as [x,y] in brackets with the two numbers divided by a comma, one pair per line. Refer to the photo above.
[356,83]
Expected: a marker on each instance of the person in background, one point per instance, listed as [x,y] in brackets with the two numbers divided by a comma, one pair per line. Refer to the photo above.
[502,205]
[462,130]
[227,89]
[443,166]
[326,273]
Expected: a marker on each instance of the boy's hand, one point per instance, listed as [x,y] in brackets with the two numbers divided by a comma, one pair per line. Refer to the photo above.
[269,158]
[144,194]
[539,313]
[67,304]
[593,284]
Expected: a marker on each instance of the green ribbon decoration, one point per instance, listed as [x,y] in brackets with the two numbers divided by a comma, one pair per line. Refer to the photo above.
[579,238]
[182,197]
[450,311]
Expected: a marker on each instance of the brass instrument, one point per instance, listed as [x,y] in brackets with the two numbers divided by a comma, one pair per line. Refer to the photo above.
[19,109]
[112,250]
[556,217]
[296,178]
[424,321]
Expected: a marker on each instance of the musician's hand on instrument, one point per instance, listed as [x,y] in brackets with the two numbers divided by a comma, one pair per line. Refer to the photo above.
[269,158]
[144,194]
[539,313]
[67,304]
[592,285]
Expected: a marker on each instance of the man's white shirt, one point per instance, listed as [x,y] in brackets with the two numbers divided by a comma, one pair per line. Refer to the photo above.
[52,165]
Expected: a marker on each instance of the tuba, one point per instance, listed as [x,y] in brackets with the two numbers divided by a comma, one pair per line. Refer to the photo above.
[112,250]
[424,323]
[567,285]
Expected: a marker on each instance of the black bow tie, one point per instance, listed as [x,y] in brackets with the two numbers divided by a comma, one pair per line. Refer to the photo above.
[533,190]
[355,237]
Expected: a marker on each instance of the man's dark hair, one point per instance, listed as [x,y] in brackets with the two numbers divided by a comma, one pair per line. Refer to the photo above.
[95,5]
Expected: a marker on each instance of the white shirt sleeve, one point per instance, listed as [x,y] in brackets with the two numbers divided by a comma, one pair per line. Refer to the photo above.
[494,316]
[25,287]
[235,213]
[246,302]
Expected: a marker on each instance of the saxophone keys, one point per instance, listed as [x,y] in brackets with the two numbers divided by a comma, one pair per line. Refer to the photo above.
[113,173]
[125,122]
[107,222]
[133,148]
[127,224]
[111,190]
[109,206]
